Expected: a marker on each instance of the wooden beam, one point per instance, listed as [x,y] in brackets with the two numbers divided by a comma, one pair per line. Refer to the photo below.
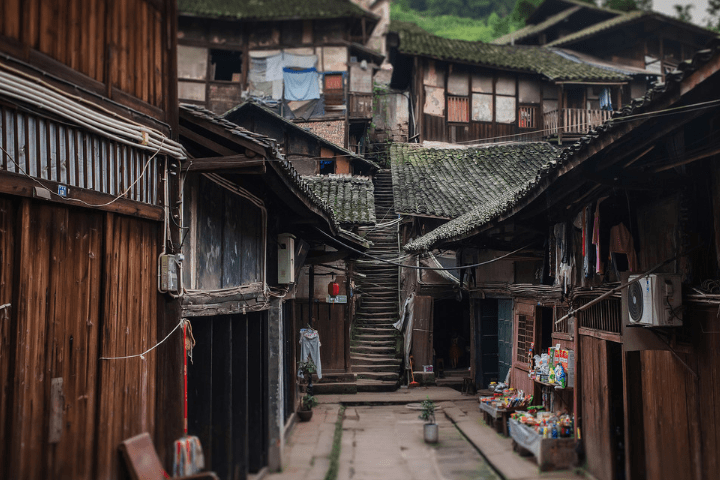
[610,337]
[222,132]
[239,163]
[205,142]
[22,186]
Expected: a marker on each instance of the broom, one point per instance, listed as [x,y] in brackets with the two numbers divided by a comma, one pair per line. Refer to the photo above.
[412,384]
[189,458]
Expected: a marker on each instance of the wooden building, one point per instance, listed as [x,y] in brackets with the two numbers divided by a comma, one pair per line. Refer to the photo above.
[640,38]
[637,196]
[433,186]
[236,50]
[309,152]
[465,91]
[87,158]
[242,201]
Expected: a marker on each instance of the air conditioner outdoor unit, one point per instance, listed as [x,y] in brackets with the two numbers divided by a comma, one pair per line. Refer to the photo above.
[655,301]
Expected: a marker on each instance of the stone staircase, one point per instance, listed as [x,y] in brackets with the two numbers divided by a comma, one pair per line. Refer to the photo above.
[375,342]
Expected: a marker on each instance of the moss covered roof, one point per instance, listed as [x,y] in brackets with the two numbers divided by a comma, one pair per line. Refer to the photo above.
[446,183]
[352,199]
[530,30]
[271,9]
[526,58]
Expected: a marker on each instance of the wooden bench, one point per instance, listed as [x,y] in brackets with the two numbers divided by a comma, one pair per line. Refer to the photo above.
[144,464]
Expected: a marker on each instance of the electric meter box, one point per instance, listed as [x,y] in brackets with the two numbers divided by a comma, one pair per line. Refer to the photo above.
[286,258]
[168,273]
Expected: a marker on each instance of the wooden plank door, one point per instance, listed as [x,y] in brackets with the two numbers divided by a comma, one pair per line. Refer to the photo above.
[422,344]
[505,337]
[486,346]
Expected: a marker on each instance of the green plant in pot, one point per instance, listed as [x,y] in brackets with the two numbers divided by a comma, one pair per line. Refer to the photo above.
[308,401]
[427,413]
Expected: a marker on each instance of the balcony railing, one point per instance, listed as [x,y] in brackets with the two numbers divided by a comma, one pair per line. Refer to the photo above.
[573,120]
[361,105]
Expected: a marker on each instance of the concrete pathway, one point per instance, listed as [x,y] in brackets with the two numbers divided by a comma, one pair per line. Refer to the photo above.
[383,439]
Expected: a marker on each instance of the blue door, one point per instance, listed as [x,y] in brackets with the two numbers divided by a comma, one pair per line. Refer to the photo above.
[505,337]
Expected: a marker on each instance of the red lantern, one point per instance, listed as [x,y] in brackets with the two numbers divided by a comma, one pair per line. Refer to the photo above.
[333,289]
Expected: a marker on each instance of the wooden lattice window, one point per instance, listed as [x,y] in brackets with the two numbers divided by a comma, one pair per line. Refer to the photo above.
[333,82]
[525,337]
[527,117]
[459,109]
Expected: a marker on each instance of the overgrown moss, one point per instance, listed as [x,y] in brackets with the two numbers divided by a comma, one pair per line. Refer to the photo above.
[337,444]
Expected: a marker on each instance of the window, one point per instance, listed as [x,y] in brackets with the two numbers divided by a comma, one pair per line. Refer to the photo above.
[528,117]
[225,65]
[327,167]
[458,109]
[526,336]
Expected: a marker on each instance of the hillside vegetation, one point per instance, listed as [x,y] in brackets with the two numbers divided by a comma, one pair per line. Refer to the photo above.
[482,20]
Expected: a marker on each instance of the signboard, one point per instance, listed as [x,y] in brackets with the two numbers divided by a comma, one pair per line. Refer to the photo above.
[337,299]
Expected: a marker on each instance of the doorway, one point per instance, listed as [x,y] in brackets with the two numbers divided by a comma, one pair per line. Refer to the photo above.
[493,341]
[227,399]
[451,335]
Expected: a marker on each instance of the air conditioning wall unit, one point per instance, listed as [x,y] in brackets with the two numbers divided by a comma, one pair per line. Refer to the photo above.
[655,300]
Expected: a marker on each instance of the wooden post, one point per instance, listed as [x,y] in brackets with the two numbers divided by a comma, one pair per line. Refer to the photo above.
[311,295]
[561,109]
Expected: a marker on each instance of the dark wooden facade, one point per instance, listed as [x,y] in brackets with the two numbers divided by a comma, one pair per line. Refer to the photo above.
[82,210]
[124,51]
[640,393]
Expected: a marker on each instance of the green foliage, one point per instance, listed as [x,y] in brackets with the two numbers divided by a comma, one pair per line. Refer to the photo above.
[427,410]
[334,458]
[309,402]
[682,12]
[474,23]
[308,368]
[713,10]
[622,5]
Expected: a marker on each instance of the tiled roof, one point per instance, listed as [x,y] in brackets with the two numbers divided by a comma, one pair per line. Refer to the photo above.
[257,138]
[483,214]
[271,9]
[351,198]
[621,20]
[527,58]
[446,183]
[531,30]
[300,128]
[283,166]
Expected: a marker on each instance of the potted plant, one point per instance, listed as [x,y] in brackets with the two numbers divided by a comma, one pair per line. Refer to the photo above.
[306,405]
[427,413]
[307,369]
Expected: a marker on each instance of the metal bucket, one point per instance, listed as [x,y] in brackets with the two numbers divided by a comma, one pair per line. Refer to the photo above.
[430,431]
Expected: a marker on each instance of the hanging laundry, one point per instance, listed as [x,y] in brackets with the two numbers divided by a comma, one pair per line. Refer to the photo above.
[588,251]
[599,265]
[299,61]
[310,345]
[274,69]
[258,70]
[301,84]
[621,241]
[606,99]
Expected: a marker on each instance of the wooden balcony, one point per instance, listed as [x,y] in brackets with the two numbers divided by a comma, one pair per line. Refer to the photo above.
[360,105]
[573,121]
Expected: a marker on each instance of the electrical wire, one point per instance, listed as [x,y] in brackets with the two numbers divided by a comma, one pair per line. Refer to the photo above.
[418,267]
[36,180]
[142,355]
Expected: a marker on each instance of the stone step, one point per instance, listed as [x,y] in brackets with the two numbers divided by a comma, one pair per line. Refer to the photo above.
[374,359]
[335,388]
[379,367]
[392,376]
[377,350]
[376,386]
[362,342]
[370,331]
[334,378]
[388,339]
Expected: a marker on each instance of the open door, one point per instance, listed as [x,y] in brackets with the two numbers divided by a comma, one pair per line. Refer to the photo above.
[422,345]
[505,337]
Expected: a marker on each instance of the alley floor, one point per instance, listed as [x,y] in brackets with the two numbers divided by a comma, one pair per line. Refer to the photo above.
[382,438]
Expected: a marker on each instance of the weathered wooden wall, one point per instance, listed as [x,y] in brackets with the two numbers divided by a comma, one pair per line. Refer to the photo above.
[331,322]
[123,44]
[83,286]
[595,422]
[680,414]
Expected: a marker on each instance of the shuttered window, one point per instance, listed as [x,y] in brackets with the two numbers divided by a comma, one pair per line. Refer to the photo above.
[526,335]
[458,109]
